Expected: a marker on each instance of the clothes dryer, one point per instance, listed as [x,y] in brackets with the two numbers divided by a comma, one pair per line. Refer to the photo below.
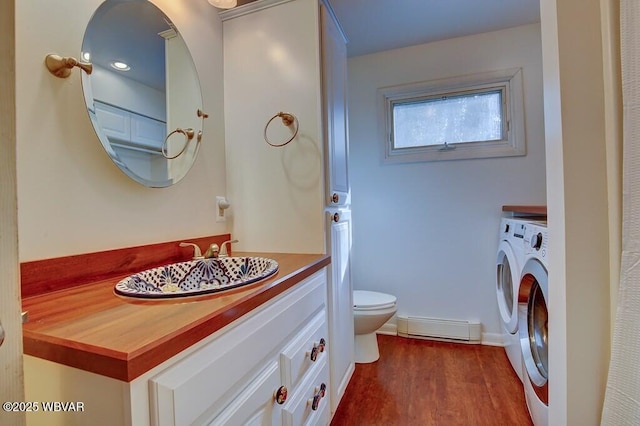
[509,262]
[533,322]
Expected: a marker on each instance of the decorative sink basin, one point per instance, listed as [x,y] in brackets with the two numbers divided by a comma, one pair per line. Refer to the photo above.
[197,277]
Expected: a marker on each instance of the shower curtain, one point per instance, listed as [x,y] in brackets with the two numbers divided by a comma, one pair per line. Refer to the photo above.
[622,398]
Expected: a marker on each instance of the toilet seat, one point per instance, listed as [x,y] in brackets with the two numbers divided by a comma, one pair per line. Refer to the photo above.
[372,301]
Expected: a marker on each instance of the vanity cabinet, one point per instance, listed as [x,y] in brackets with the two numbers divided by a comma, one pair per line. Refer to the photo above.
[235,378]
[230,377]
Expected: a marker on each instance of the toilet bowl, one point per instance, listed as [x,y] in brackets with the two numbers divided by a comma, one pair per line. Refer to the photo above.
[370,311]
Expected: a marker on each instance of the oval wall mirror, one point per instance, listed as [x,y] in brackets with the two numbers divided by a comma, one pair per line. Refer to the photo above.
[143,96]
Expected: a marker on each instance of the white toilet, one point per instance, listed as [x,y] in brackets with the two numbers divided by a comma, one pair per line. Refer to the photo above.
[370,311]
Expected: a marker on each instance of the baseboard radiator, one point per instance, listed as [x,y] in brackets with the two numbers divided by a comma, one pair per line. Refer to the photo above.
[440,329]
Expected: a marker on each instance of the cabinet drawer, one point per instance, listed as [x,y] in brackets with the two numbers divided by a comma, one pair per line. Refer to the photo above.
[298,357]
[256,405]
[301,409]
[201,385]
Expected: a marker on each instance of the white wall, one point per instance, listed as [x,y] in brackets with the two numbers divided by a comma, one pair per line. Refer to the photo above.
[71,197]
[428,232]
[272,64]
[12,388]
[581,172]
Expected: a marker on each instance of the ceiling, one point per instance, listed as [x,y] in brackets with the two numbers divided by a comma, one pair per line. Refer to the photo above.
[370,26]
[377,25]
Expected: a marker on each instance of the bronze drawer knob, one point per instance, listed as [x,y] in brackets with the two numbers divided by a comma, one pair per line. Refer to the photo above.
[281,395]
[317,348]
[320,392]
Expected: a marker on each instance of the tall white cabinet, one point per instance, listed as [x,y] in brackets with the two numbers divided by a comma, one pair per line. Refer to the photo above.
[340,305]
[290,56]
[337,194]
[334,90]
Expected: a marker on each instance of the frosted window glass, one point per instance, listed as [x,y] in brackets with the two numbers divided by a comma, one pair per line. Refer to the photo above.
[470,116]
[452,119]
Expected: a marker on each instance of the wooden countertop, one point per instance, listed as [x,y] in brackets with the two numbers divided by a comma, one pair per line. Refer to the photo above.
[91,328]
[526,209]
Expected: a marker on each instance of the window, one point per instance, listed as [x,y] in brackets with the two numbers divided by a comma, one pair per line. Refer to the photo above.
[477,116]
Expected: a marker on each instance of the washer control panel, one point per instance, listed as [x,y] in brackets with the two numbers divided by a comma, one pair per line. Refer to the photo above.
[513,229]
[536,240]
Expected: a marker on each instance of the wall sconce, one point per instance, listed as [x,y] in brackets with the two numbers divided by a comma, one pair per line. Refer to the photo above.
[223,4]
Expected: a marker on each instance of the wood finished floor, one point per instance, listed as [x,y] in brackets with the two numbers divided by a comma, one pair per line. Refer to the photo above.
[423,382]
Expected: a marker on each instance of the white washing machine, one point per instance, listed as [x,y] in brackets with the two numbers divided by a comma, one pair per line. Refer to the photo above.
[533,322]
[509,262]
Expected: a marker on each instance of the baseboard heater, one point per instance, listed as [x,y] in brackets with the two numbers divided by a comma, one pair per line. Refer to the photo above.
[441,329]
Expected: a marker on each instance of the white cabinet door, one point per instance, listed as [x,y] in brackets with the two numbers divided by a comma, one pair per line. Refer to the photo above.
[147,131]
[231,367]
[130,128]
[334,88]
[341,337]
[115,122]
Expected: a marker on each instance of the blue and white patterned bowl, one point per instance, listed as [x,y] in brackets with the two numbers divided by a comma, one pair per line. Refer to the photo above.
[197,277]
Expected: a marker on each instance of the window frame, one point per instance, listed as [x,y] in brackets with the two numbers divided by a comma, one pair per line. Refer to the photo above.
[509,81]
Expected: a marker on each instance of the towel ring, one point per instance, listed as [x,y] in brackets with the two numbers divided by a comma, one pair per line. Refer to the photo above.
[188,136]
[288,120]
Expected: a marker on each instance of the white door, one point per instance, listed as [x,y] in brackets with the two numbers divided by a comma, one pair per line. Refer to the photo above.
[341,337]
[11,388]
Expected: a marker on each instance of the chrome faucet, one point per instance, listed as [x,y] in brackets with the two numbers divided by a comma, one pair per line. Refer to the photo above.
[223,248]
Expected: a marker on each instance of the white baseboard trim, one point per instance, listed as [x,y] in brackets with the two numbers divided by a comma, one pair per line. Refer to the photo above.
[440,339]
[492,339]
[440,329]
[389,328]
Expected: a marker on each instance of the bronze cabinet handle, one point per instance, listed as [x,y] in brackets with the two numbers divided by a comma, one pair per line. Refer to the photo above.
[335,198]
[336,217]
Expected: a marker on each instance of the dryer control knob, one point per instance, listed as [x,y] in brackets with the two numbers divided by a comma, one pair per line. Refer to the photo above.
[536,241]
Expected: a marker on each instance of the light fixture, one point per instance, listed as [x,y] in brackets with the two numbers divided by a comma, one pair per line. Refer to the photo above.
[223,4]
[120,66]
[86,56]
